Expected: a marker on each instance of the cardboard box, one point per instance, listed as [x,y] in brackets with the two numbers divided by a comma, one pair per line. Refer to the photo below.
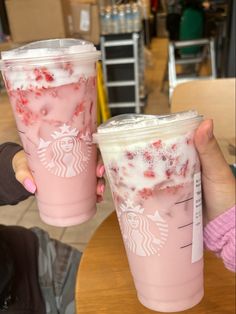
[31,20]
[84,2]
[81,18]
[85,18]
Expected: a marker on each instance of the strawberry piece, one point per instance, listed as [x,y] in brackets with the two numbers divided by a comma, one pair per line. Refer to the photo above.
[147,156]
[48,77]
[79,109]
[129,155]
[157,144]
[38,74]
[184,168]
[145,193]
[149,174]
[169,173]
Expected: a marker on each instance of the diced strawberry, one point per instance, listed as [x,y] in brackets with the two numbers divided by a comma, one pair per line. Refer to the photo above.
[38,74]
[184,168]
[157,144]
[79,108]
[145,193]
[48,77]
[174,146]
[129,155]
[149,174]
[147,156]
[168,173]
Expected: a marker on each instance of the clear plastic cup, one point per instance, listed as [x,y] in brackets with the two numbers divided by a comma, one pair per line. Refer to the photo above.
[154,174]
[52,89]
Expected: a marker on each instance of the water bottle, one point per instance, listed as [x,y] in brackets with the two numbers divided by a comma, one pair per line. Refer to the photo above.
[115,20]
[122,23]
[102,14]
[136,17]
[128,18]
[108,20]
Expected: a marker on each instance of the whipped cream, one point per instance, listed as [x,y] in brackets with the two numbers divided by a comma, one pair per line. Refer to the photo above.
[138,121]
[49,63]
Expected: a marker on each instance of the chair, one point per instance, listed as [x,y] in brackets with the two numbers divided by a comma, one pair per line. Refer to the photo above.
[213,99]
[207,53]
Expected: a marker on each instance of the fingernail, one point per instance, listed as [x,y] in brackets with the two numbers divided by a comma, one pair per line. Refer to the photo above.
[210,131]
[29,185]
[102,189]
[101,171]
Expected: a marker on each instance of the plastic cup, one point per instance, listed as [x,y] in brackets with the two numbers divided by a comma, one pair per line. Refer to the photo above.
[154,173]
[52,89]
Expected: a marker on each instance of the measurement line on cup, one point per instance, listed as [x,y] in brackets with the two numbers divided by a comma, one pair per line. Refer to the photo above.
[188,199]
[187,245]
[185,225]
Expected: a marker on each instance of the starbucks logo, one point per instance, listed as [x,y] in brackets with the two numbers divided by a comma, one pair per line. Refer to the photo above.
[68,153]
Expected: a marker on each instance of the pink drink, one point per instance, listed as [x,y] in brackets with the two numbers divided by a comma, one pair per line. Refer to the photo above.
[52,89]
[154,174]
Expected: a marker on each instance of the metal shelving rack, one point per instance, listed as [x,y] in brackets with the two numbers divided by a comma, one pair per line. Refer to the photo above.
[135,41]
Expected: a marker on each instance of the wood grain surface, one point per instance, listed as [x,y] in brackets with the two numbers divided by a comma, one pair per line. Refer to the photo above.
[104,283]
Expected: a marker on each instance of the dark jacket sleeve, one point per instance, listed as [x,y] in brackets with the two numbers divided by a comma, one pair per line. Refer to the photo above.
[11,191]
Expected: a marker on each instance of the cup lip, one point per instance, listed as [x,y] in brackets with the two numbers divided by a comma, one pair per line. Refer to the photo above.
[47,55]
[134,134]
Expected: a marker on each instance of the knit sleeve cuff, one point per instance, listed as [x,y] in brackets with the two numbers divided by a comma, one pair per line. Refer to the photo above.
[219,237]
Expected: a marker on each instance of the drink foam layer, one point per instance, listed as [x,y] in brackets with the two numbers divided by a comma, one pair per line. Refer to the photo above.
[138,121]
[49,63]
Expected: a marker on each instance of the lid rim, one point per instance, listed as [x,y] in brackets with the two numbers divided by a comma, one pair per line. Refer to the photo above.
[142,131]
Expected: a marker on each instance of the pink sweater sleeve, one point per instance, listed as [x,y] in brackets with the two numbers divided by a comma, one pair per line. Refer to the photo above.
[219,237]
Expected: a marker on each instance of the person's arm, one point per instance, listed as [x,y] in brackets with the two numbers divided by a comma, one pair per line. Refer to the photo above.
[11,191]
[219,237]
[16,180]
[218,185]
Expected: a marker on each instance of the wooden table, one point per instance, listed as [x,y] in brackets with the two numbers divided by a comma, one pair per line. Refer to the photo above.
[104,283]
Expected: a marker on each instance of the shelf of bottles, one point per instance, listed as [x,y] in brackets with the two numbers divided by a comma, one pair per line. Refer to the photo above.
[120,17]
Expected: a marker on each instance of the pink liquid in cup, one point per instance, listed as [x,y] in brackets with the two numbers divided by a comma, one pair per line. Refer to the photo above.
[52,89]
[154,174]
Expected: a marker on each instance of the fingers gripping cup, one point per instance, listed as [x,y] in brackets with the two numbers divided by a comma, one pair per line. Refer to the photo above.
[154,174]
[52,89]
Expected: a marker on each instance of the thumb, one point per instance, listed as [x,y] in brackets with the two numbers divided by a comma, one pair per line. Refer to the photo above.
[214,166]
[22,172]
